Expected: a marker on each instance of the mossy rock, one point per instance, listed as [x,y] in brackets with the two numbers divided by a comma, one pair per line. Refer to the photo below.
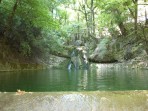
[63,65]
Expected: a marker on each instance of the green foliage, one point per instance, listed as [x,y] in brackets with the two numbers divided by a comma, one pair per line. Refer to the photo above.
[112,13]
[25,48]
[31,18]
[40,27]
[36,12]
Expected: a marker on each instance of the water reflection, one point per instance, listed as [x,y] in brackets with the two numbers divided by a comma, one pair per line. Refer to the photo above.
[99,77]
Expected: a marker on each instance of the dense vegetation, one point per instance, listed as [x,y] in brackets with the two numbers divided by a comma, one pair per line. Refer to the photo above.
[32,30]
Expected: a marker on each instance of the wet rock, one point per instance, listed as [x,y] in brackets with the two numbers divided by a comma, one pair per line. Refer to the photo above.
[75,101]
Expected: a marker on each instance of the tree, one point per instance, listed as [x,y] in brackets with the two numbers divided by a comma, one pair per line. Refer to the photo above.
[25,21]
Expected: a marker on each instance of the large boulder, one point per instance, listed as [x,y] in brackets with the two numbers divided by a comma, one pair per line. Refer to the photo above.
[103,52]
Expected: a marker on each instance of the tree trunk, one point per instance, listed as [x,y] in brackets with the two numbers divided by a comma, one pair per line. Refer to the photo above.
[92,17]
[146,47]
[78,34]
[86,19]
[10,18]
[136,13]
[146,18]
[122,29]
[121,25]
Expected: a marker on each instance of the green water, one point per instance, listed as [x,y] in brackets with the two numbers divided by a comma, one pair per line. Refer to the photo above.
[97,78]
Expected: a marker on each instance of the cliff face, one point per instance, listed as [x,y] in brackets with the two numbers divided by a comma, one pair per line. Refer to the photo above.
[12,60]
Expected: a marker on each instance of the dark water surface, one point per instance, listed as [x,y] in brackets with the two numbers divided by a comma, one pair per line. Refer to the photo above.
[99,77]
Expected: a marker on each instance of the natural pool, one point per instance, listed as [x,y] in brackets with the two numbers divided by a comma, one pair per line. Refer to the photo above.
[105,87]
[100,77]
